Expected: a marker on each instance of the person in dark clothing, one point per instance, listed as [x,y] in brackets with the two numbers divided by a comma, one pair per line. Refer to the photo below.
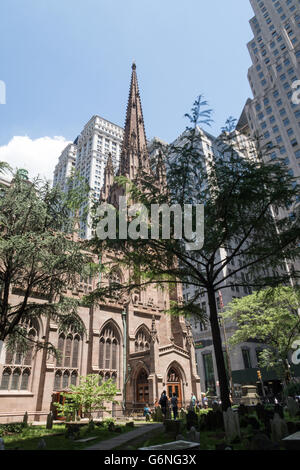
[174,404]
[163,403]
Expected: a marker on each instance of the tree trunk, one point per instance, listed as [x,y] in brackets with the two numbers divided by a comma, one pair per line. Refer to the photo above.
[217,342]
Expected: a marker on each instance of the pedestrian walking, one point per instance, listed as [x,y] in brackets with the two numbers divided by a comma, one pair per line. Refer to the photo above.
[164,403]
[174,404]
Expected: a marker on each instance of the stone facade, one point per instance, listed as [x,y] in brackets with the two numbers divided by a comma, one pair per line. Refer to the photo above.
[130,340]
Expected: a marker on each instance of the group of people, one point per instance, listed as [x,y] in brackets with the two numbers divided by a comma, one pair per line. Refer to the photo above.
[164,402]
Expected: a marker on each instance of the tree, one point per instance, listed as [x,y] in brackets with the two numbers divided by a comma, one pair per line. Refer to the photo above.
[244,246]
[269,316]
[38,259]
[87,397]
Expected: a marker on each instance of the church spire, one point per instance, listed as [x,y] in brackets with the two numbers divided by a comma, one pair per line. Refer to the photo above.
[134,156]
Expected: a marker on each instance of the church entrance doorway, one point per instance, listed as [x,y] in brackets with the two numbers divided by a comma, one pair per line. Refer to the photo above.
[174,385]
[142,388]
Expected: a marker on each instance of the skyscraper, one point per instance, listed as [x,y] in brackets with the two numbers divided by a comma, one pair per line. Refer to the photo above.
[275,53]
[88,155]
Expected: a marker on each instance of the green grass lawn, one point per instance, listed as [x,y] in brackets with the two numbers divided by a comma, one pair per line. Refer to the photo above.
[55,439]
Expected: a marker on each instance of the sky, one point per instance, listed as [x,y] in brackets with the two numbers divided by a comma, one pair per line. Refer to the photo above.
[62,61]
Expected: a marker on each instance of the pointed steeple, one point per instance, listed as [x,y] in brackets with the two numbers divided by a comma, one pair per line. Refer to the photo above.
[109,173]
[134,156]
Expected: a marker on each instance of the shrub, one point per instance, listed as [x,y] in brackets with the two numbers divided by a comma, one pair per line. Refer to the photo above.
[292,389]
[11,428]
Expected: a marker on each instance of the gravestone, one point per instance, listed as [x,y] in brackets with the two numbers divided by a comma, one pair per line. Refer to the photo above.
[293,407]
[231,424]
[262,442]
[173,426]
[182,415]
[41,444]
[2,446]
[49,424]
[279,410]
[279,429]
[25,420]
[191,419]
[159,415]
[193,435]
[179,437]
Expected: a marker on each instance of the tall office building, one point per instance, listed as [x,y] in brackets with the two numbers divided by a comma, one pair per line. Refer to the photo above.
[88,156]
[64,167]
[275,54]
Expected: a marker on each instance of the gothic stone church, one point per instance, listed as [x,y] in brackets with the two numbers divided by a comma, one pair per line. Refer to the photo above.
[136,344]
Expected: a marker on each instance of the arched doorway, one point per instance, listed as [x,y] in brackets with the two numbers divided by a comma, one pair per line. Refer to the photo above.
[174,385]
[142,387]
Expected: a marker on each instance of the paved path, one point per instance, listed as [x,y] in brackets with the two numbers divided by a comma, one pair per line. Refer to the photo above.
[127,437]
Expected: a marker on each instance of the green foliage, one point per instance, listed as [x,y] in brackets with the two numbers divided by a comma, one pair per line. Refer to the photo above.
[87,397]
[292,389]
[12,428]
[38,260]
[268,316]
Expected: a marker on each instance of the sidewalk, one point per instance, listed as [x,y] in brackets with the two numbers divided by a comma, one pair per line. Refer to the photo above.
[126,438]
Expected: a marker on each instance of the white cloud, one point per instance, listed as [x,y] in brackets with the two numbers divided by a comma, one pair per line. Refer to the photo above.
[38,156]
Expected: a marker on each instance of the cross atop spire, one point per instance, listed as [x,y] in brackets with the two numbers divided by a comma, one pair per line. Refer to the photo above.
[134,155]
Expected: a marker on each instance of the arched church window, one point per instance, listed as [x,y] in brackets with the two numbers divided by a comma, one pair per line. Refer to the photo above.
[109,349]
[5,379]
[25,379]
[74,376]
[173,375]
[57,380]
[15,379]
[142,339]
[17,373]
[65,381]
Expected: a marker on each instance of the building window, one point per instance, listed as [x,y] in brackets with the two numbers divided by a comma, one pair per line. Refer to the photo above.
[246,358]
[109,352]
[209,372]
[142,340]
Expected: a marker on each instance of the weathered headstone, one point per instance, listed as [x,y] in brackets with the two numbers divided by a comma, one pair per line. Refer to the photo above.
[262,442]
[182,415]
[2,446]
[279,410]
[179,437]
[293,407]
[231,424]
[25,420]
[159,415]
[279,429]
[49,424]
[173,426]
[193,435]
[191,419]
[41,444]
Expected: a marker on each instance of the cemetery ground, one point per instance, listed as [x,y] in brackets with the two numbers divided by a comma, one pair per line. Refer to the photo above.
[248,428]
[18,437]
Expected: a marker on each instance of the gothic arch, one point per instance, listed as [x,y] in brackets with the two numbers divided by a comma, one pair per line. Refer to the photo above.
[175,365]
[109,354]
[142,338]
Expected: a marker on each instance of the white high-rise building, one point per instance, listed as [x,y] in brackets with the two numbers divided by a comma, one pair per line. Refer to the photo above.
[275,54]
[65,166]
[88,155]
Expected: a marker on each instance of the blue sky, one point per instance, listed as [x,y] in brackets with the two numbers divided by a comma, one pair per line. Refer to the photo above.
[64,61]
